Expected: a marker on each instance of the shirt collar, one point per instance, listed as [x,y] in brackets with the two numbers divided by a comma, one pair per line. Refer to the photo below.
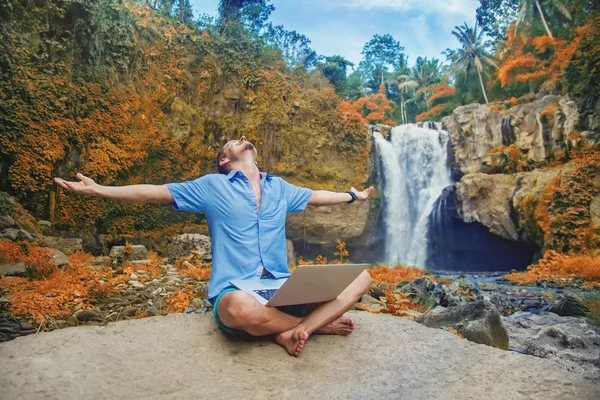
[234,172]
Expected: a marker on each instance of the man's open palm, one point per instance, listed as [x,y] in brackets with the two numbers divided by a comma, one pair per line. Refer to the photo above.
[364,194]
[84,186]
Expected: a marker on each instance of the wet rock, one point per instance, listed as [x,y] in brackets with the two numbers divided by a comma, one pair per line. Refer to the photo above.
[26,325]
[17,269]
[22,234]
[183,245]
[478,322]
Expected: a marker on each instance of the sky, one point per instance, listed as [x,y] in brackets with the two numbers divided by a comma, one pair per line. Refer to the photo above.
[343,27]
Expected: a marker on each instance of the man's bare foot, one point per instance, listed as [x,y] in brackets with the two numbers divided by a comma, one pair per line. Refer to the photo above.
[292,341]
[342,326]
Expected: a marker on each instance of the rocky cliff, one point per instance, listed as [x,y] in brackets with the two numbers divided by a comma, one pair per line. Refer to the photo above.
[538,129]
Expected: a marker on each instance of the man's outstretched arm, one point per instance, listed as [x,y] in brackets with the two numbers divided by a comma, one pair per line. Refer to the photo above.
[142,193]
[327,198]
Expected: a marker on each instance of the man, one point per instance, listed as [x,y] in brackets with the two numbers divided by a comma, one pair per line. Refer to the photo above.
[245,210]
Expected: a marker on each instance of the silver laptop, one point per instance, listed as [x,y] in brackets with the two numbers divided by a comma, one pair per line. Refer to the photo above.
[308,284]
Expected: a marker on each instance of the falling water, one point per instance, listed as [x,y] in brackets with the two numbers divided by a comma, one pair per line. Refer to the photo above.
[415,170]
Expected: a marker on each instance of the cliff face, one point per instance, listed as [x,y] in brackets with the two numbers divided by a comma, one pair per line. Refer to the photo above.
[538,129]
[493,192]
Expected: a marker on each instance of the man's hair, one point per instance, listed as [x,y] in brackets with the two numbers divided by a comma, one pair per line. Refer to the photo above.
[221,169]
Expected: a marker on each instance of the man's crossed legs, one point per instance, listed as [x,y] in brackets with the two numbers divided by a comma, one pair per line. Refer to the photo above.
[240,310]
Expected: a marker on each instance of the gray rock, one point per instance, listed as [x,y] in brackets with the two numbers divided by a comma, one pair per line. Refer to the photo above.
[22,234]
[133,277]
[433,364]
[6,221]
[569,341]
[59,257]
[291,254]
[183,245]
[67,245]
[478,322]
[17,269]
[87,315]
[10,234]
[568,305]
[138,252]
[45,226]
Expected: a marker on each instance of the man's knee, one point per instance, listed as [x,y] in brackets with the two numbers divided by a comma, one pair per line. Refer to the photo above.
[364,282]
[240,309]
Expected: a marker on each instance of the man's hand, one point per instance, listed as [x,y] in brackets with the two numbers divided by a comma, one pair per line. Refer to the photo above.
[362,195]
[84,186]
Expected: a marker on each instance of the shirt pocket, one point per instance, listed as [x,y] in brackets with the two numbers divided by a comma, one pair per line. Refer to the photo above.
[274,213]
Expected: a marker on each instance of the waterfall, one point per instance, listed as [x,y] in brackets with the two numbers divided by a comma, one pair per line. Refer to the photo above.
[415,171]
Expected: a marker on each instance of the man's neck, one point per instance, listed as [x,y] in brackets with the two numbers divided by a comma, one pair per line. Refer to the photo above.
[249,169]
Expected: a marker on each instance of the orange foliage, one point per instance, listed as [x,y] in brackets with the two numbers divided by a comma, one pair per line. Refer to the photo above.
[541,59]
[441,90]
[560,268]
[515,160]
[38,260]
[366,110]
[563,212]
[192,266]
[178,301]
[59,294]
[432,112]
[342,252]
[383,274]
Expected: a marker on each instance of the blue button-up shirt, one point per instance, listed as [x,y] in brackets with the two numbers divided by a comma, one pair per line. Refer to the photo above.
[244,240]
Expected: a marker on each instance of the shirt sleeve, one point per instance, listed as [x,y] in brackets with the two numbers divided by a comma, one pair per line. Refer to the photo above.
[296,197]
[190,195]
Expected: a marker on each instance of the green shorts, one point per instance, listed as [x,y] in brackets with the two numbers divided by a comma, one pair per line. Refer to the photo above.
[296,310]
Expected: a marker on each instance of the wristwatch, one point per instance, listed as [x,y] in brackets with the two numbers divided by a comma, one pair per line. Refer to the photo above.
[351,193]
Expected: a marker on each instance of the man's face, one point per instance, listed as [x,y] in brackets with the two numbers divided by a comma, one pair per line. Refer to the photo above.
[237,149]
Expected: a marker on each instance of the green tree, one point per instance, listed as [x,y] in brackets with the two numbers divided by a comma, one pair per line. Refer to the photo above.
[294,47]
[335,69]
[495,16]
[382,54]
[472,54]
[528,8]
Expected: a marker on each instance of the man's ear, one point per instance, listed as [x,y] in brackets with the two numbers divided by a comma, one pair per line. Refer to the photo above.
[223,161]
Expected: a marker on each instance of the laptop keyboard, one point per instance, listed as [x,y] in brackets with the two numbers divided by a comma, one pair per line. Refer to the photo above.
[266,293]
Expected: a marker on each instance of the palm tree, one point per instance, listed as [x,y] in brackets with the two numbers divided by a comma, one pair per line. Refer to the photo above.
[426,72]
[406,84]
[526,8]
[473,53]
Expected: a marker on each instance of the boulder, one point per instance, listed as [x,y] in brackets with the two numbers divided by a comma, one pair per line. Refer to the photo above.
[22,234]
[325,225]
[66,245]
[17,269]
[183,245]
[138,252]
[386,357]
[478,322]
[568,305]
[6,222]
[45,227]
[9,234]
[59,257]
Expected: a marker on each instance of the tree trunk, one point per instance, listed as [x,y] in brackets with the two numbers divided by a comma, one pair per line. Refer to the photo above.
[537,3]
[482,87]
